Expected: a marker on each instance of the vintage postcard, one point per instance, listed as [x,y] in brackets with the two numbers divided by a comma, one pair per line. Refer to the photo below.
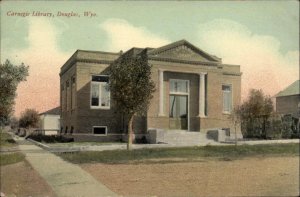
[149,98]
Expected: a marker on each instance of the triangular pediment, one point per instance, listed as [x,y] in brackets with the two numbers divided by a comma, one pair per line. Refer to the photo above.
[183,50]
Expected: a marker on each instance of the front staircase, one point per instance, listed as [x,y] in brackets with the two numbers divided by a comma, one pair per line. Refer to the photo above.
[178,137]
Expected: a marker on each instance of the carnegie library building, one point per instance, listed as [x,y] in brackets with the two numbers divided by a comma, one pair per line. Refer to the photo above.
[194,94]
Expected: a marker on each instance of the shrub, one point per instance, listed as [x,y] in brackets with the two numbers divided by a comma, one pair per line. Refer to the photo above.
[141,140]
[50,138]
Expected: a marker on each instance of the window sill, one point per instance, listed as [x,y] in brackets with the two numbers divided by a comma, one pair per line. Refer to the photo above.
[99,134]
[226,113]
[104,108]
[205,116]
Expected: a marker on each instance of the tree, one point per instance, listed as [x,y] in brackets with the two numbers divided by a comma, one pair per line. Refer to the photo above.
[14,122]
[10,77]
[255,112]
[235,117]
[29,119]
[131,87]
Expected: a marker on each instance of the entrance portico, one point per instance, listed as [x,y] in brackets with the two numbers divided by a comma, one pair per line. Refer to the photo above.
[177,92]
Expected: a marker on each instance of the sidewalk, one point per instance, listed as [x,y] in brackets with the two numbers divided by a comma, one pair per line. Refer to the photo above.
[66,179]
[77,148]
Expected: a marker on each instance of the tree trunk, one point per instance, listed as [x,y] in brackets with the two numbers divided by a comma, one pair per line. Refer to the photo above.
[235,136]
[130,131]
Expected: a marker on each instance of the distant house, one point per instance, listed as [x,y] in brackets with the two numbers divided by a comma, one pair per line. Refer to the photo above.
[288,100]
[50,121]
[195,93]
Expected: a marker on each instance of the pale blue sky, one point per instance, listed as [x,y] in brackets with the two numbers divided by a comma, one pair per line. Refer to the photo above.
[171,20]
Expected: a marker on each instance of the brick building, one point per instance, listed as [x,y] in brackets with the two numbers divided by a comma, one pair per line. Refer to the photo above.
[195,91]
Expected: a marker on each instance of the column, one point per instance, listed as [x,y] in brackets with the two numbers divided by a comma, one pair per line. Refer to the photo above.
[161,92]
[202,94]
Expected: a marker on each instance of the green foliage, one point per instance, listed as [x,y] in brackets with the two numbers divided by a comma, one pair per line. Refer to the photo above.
[10,77]
[29,118]
[130,83]
[140,155]
[257,105]
[131,86]
[14,123]
[255,113]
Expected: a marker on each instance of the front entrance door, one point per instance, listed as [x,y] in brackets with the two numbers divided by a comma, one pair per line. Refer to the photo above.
[178,112]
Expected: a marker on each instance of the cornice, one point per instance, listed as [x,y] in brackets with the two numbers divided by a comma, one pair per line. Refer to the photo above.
[232,74]
[183,61]
[93,61]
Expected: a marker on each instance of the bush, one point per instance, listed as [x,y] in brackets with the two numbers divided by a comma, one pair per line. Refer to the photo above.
[141,140]
[50,138]
[276,127]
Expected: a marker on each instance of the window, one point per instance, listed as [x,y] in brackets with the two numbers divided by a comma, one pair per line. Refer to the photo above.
[62,97]
[100,94]
[178,106]
[227,98]
[66,130]
[178,86]
[100,130]
[73,92]
[68,95]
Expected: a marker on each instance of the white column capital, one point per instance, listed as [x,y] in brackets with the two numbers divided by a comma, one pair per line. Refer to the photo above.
[202,73]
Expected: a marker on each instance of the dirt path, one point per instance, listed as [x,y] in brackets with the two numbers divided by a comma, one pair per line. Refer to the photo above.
[21,179]
[259,176]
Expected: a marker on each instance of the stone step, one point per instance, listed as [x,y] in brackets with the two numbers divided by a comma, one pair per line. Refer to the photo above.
[183,137]
[178,137]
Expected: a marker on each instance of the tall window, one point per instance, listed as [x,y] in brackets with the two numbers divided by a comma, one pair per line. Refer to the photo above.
[178,86]
[178,106]
[100,94]
[68,95]
[73,92]
[178,97]
[62,97]
[227,98]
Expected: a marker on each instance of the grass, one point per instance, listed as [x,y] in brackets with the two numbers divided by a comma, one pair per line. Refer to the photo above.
[6,140]
[226,153]
[11,158]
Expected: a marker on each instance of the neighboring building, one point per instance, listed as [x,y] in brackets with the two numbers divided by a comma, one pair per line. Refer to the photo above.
[194,92]
[50,121]
[288,100]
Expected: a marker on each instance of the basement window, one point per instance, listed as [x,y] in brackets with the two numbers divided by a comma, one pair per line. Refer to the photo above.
[100,130]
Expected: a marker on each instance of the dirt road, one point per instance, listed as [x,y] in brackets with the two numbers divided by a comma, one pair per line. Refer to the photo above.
[255,176]
[20,179]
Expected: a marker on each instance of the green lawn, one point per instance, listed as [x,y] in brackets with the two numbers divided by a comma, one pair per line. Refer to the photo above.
[6,140]
[6,158]
[11,158]
[190,153]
